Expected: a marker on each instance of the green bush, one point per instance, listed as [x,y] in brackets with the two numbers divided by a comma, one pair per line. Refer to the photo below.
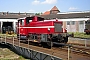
[80,35]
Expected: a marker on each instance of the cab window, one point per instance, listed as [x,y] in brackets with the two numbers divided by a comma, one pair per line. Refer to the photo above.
[21,22]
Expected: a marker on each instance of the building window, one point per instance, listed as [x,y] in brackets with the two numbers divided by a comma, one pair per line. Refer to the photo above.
[68,22]
[81,22]
[72,22]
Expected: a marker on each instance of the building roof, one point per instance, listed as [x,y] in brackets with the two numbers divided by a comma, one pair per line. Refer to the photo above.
[9,13]
[54,9]
[12,16]
[66,16]
[50,16]
[6,15]
[46,13]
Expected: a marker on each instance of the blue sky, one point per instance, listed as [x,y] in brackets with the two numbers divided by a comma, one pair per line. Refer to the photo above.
[43,5]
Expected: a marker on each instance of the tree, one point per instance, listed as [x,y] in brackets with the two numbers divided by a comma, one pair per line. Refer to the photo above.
[38,13]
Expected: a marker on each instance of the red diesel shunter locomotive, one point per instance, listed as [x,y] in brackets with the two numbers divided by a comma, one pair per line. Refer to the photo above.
[36,29]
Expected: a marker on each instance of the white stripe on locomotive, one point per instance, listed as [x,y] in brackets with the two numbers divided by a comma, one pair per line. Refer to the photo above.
[39,27]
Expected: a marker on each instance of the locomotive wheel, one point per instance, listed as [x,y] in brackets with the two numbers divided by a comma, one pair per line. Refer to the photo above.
[49,43]
[65,40]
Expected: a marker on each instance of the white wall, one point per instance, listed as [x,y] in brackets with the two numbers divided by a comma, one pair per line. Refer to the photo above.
[9,20]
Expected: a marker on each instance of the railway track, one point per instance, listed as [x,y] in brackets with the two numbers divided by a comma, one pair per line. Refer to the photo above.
[79,44]
[75,49]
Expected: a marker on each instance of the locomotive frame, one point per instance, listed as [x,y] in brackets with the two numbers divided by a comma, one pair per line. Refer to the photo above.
[37,30]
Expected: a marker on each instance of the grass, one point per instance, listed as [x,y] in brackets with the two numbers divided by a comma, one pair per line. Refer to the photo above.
[22,58]
[7,54]
[8,35]
[80,35]
[76,34]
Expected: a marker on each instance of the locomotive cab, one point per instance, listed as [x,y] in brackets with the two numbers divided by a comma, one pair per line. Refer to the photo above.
[24,25]
[21,32]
